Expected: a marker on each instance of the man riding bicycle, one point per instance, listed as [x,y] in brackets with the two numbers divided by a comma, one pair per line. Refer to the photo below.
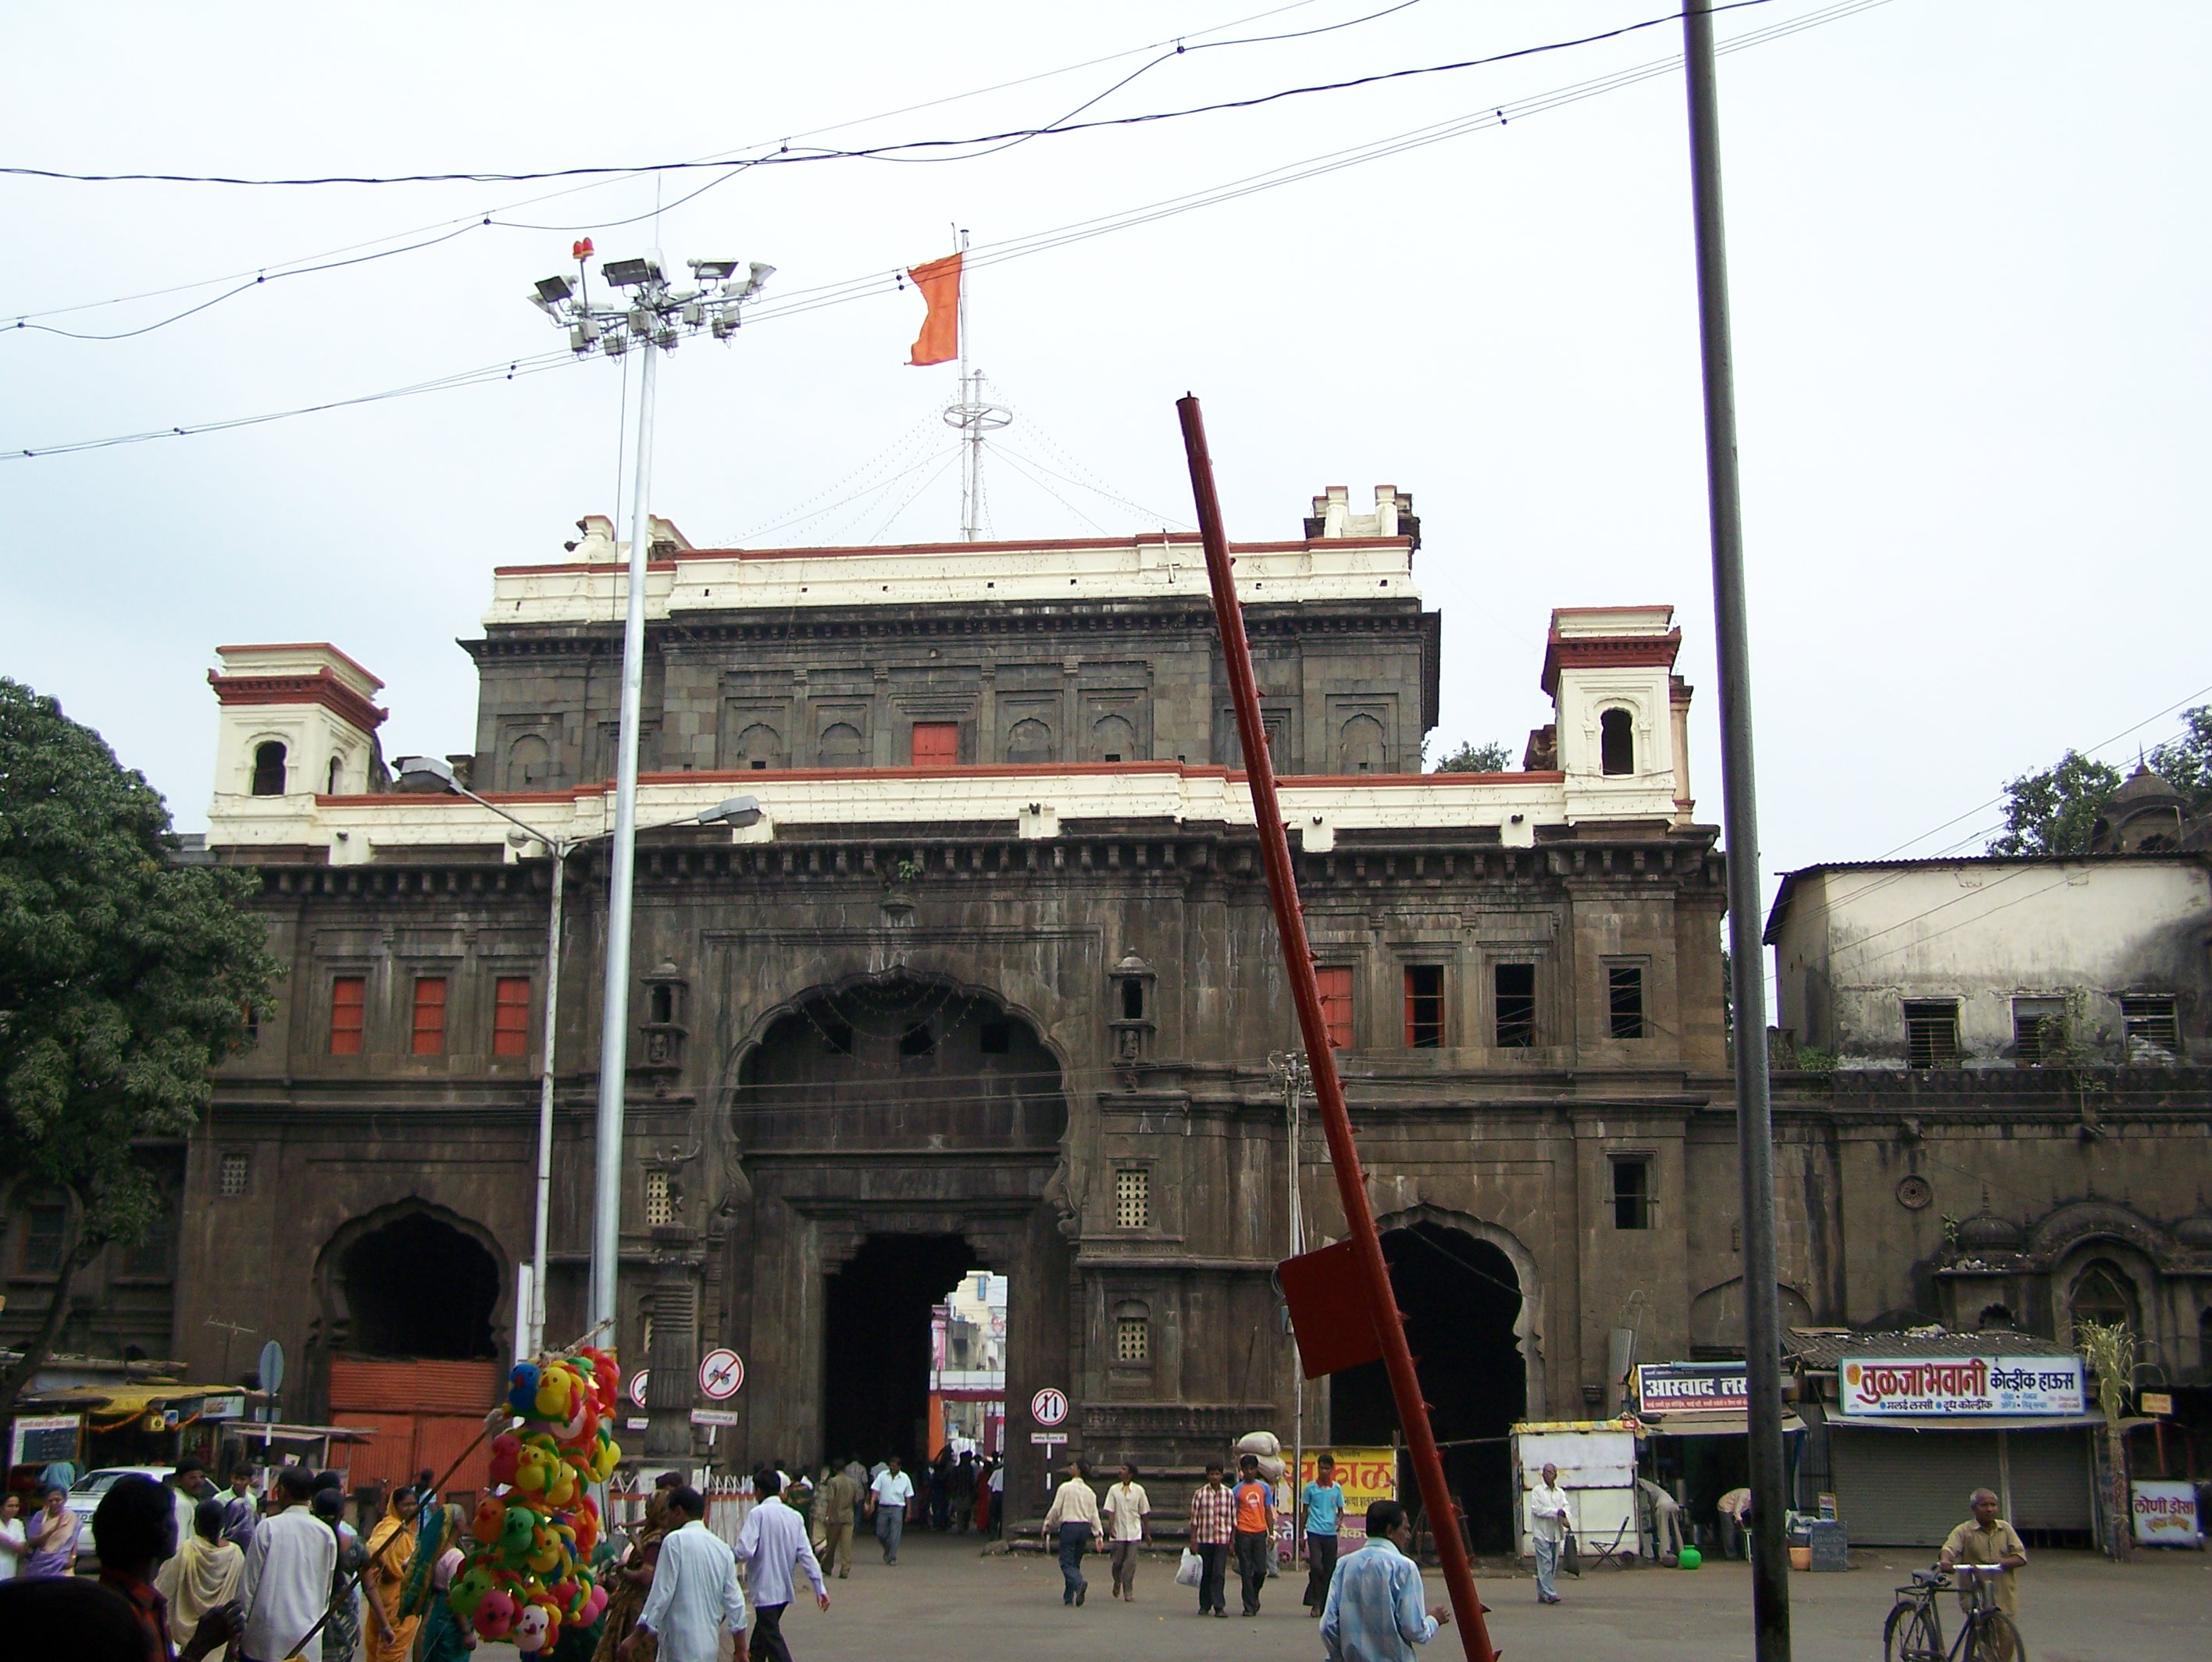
[1986,1539]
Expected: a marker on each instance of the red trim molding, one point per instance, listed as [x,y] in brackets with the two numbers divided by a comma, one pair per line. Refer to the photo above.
[1608,651]
[323,688]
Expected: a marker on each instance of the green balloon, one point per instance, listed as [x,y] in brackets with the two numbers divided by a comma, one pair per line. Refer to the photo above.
[1689,1558]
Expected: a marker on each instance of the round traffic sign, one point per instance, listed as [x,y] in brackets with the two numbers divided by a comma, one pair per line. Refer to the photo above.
[720,1373]
[1049,1406]
[637,1387]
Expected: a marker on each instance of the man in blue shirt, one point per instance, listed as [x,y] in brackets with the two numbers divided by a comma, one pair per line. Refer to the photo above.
[1323,1501]
[1374,1612]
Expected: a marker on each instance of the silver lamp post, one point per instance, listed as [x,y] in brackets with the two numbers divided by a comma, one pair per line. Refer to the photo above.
[734,811]
[656,315]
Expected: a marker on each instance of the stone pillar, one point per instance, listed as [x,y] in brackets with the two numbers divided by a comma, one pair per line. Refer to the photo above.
[674,1357]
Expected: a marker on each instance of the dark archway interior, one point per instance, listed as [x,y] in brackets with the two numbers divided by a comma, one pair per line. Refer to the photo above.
[899,1062]
[1460,1298]
[876,1361]
[420,1288]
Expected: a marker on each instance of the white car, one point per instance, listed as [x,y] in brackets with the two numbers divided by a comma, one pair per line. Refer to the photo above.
[84,1500]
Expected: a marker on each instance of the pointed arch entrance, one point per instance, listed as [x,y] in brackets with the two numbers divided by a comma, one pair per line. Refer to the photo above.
[893,1131]
[1466,1288]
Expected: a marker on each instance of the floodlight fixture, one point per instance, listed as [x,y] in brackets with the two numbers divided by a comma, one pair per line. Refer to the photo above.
[737,812]
[551,291]
[427,767]
[711,270]
[630,273]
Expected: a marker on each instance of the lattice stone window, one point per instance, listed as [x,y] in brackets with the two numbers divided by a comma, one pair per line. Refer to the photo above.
[232,1179]
[1133,1339]
[1133,1198]
[658,1209]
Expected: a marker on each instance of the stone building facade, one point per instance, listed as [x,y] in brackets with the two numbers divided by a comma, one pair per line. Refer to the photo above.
[993,983]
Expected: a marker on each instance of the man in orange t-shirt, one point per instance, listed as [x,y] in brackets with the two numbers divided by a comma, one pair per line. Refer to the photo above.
[1254,1537]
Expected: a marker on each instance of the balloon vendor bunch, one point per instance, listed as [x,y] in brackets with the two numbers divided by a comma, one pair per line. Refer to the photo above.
[531,1543]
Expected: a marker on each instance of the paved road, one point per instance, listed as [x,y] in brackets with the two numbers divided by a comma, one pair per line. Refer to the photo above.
[943,1603]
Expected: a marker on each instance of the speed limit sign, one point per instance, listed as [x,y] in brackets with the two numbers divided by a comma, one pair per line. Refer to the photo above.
[1049,1406]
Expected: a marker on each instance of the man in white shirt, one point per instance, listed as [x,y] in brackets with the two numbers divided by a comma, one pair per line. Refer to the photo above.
[695,1596]
[1127,1508]
[887,1499]
[1074,1519]
[188,1486]
[286,1585]
[774,1538]
[1547,1525]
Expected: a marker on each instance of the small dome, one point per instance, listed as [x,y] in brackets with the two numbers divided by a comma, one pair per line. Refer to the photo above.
[1986,1232]
[2195,1233]
[2144,784]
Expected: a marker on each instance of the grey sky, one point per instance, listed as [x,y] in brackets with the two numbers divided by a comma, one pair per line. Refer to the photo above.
[1969,262]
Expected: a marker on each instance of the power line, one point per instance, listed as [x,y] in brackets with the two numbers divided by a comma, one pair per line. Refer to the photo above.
[877,283]
[784,155]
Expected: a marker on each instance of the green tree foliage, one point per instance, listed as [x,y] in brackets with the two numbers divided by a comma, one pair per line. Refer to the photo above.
[2053,812]
[123,977]
[1473,758]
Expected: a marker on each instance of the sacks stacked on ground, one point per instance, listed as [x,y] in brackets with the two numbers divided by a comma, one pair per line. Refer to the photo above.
[533,1537]
[1268,1448]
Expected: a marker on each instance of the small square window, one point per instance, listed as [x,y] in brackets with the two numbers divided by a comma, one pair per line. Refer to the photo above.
[510,1018]
[1631,1192]
[231,1180]
[1424,1006]
[429,1016]
[2151,1020]
[1133,1339]
[658,1209]
[1623,989]
[2038,1028]
[348,1010]
[1931,1033]
[917,1040]
[1514,986]
[150,1255]
[1133,1198]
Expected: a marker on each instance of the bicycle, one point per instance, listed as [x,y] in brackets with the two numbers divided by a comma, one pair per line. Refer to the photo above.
[1914,1631]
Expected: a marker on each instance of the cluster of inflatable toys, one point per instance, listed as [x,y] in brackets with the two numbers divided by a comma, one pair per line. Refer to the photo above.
[529,1548]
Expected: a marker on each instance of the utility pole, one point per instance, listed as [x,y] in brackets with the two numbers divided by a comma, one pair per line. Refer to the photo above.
[1754,1129]
[654,319]
[1290,1071]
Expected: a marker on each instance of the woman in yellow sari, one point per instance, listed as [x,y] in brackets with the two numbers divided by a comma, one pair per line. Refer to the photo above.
[391,1636]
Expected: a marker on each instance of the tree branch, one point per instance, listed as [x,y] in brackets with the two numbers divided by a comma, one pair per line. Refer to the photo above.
[41,1344]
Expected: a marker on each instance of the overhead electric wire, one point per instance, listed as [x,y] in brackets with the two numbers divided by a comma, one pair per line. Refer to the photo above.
[784,156]
[801,301]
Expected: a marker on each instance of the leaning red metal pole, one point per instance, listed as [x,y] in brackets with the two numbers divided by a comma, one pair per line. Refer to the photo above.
[1328,1090]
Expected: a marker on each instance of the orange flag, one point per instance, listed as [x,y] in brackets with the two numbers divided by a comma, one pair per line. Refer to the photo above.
[939,282]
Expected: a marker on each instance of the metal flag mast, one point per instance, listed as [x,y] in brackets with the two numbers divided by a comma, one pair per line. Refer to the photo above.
[973,418]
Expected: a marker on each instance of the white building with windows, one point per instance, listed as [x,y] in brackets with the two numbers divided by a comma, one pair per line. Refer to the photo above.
[1995,961]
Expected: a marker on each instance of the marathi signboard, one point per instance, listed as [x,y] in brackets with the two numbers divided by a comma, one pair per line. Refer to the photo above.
[1688,1388]
[2166,1513]
[1892,1387]
[43,1439]
[1367,1475]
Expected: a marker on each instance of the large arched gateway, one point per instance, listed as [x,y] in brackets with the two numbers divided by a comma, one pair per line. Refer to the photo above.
[895,1131]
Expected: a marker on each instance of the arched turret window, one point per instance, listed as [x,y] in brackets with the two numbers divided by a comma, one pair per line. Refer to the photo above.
[1616,748]
[269,768]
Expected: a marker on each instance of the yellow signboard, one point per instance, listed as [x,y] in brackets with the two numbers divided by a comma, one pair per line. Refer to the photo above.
[1365,1474]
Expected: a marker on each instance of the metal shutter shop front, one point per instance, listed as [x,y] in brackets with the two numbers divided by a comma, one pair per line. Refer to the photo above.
[1908,1489]
[2050,1487]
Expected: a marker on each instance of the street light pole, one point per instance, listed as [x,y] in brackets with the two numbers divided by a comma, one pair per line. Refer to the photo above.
[1754,1129]
[654,318]
[732,811]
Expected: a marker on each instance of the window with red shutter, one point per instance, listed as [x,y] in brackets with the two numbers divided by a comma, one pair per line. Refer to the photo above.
[348,1006]
[1336,1004]
[429,1016]
[510,1019]
[936,744]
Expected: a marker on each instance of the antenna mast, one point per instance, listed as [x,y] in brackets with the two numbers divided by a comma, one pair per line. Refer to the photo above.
[973,418]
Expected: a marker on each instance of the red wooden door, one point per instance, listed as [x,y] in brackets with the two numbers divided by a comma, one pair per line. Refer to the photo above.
[936,744]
